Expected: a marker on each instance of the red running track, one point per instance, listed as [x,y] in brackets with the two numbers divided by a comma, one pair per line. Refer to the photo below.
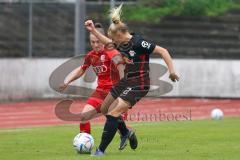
[41,113]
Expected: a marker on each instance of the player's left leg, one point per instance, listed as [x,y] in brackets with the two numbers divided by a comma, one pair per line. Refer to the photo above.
[126,133]
[110,128]
[123,130]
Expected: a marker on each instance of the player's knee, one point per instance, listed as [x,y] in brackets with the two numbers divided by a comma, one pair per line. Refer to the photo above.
[116,113]
[103,110]
[88,113]
[84,117]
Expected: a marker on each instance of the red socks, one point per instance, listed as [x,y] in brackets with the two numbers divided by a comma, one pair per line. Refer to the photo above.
[85,127]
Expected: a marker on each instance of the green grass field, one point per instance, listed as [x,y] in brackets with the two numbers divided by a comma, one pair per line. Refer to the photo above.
[205,139]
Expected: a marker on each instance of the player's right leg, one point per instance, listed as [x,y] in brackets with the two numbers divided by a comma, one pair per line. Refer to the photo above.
[91,109]
[89,112]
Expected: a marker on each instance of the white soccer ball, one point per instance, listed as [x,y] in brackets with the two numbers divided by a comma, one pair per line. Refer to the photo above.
[217,114]
[83,143]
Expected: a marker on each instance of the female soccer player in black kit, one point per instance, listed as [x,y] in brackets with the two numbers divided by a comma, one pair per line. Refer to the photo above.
[136,82]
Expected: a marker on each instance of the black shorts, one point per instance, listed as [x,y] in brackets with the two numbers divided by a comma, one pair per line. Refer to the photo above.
[130,91]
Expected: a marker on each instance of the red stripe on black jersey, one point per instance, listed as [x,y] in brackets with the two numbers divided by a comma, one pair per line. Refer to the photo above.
[142,69]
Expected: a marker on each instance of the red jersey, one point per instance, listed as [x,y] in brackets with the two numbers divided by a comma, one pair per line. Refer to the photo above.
[103,66]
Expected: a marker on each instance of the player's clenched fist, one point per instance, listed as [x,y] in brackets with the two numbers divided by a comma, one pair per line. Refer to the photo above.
[89,25]
[174,77]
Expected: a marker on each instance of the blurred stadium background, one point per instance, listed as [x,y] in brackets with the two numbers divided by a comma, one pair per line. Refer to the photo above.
[203,37]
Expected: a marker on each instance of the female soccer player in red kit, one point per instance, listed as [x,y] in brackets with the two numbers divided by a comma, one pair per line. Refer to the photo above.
[136,82]
[108,65]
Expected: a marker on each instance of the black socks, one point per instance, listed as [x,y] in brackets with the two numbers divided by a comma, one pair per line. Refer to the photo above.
[109,131]
[122,127]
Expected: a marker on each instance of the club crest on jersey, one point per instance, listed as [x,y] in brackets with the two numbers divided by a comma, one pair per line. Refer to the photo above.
[132,53]
[102,58]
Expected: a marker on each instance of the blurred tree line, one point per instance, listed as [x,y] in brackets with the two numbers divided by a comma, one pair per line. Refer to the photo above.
[156,9]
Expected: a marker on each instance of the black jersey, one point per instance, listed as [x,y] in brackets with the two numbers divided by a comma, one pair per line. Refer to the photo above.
[136,55]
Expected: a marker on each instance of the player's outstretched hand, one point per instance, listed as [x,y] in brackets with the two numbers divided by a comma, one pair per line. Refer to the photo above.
[174,77]
[89,25]
[62,87]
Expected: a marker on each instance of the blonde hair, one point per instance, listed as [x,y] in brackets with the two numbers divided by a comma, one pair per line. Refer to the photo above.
[115,14]
[117,24]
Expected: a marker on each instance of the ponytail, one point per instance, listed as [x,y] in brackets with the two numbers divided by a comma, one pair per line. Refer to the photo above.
[117,24]
[115,14]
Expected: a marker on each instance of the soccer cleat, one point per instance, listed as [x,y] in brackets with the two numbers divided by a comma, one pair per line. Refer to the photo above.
[98,153]
[133,139]
[123,142]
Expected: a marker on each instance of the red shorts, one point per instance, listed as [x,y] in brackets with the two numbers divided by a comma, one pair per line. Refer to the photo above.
[97,98]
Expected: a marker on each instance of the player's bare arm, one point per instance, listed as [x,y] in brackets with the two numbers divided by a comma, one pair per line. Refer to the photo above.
[168,60]
[118,61]
[77,73]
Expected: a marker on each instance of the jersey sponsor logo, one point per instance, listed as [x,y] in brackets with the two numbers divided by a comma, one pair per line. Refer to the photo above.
[100,69]
[132,53]
[146,44]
